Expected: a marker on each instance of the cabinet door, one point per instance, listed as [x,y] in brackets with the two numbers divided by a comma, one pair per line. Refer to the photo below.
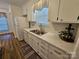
[54,55]
[26,37]
[69,10]
[31,42]
[30,39]
[43,49]
[53,10]
[34,44]
[37,42]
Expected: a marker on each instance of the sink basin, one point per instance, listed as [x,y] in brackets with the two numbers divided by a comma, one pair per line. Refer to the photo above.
[38,32]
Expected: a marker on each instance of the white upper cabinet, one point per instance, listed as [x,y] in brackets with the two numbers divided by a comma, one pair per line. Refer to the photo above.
[53,10]
[64,11]
[69,10]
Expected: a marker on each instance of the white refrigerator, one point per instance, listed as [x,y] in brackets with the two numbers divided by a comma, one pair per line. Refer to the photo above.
[20,24]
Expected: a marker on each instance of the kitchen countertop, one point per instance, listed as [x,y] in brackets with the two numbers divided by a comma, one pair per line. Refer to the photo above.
[54,40]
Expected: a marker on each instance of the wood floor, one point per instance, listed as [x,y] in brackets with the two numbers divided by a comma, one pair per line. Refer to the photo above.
[28,52]
[11,48]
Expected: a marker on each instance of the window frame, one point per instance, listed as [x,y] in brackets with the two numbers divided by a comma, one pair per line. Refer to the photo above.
[35,15]
[6,20]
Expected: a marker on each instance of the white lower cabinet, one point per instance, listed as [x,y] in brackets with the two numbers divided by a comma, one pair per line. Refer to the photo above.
[26,38]
[44,49]
[30,40]
[55,53]
[34,42]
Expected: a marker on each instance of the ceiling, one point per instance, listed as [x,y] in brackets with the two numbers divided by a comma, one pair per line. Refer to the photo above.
[15,2]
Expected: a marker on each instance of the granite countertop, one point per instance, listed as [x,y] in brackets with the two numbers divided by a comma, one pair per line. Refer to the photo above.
[56,41]
[53,39]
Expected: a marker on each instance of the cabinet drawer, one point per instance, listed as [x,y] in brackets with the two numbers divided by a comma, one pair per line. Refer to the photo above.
[45,48]
[43,52]
[57,50]
[43,43]
[54,55]
[57,53]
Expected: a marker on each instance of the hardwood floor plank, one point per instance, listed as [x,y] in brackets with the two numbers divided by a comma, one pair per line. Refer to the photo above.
[10,47]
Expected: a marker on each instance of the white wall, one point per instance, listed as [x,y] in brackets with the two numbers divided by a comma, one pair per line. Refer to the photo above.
[27,9]
[5,7]
[11,11]
[16,10]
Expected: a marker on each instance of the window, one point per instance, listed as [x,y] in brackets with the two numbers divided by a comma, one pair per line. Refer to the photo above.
[3,24]
[41,16]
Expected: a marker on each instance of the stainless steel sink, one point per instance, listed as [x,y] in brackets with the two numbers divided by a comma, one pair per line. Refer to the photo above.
[38,32]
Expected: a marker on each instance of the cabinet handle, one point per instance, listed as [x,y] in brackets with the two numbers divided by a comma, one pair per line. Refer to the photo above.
[43,47]
[57,52]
